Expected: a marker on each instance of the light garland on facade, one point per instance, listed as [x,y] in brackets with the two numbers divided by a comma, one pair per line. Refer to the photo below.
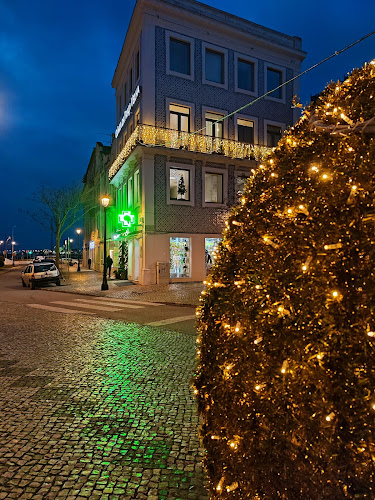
[148,135]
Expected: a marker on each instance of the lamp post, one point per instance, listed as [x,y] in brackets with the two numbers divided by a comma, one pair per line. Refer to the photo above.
[105,202]
[70,249]
[78,231]
[13,243]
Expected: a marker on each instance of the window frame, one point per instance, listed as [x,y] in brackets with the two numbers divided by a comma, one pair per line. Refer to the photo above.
[224,112]
[275,124]
[214,170]
[281,70]
[177,102]
[182,38]
[181,166]
[253,119]
[247,59]
[214,48]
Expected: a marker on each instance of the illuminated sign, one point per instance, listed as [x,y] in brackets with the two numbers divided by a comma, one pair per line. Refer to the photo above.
[127,111]
[91,245]
[126,219]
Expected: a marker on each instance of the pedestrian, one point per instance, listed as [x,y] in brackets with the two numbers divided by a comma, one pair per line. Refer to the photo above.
[109,263]
[89,263]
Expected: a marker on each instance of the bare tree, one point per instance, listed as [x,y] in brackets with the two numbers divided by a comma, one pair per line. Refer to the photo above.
[58,209]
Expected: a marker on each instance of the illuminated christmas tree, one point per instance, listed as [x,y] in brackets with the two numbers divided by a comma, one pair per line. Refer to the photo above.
[286,376]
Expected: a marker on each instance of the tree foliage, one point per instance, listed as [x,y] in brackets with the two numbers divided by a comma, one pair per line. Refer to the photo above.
[58,210]
[286,376]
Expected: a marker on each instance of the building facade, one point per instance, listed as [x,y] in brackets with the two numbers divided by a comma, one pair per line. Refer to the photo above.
[178,161]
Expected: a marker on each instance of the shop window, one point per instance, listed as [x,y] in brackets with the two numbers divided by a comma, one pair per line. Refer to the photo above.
[214,128]
[179,56]
[245,130]
[245,75]
[274,134]
[179,118]
[213,191]
[211,246]
[180,257]
[214,66]
[179,184]
[274,79]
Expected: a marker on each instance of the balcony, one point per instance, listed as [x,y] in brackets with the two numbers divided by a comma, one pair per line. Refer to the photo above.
[148,135]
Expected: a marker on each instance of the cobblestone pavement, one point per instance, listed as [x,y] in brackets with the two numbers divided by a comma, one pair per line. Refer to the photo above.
[95,408]
[89,282]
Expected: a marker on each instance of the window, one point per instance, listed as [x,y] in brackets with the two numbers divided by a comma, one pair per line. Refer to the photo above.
[124,193]
[179,184]
[179,118]
[245,75]
[137,117]
[179,56]
[137,66]
[136,188]
[214,129]
[274,134]
[125,92]
[130,193]
[274,79]
[213,192]
[180,257]
[131,81]
[241,181]
[214,66]
[245,129]
[211,247]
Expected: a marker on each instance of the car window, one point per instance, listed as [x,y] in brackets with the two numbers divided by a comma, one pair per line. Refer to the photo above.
[41,268]
[27,269]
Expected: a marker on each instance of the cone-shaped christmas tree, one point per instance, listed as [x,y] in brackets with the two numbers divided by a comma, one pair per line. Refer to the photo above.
[286,375]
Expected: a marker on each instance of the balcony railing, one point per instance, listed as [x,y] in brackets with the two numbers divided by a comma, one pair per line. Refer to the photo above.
[148,135]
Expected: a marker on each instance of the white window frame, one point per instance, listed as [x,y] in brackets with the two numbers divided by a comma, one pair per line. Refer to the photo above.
[182,166]
[213,170]
[180,103]
[283,76]
[224,112]
[276,124]
[182,38]
[253,61]
[250,119]
[221,50]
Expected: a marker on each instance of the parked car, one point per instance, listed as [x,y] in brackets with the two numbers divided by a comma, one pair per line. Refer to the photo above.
[40,273]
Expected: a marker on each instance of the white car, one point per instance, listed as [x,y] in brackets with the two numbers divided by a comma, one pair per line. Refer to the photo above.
[40,273]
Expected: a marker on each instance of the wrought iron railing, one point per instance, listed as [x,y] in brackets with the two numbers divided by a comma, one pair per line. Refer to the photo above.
[149,135]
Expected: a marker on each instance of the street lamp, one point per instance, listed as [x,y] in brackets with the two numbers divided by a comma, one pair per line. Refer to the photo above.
[105,202]
[13,243]
[78,231]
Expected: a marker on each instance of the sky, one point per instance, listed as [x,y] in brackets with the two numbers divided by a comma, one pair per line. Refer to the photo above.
[57,61]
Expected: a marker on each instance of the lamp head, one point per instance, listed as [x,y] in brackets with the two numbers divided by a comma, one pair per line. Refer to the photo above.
[78,231]
[105,200]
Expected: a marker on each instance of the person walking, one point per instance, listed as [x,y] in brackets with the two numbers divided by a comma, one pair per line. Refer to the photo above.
[89,263]
[109,263]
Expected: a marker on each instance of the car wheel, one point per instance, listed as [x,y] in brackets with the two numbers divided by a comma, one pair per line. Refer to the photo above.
[58,283]
[23,283]
[32,285]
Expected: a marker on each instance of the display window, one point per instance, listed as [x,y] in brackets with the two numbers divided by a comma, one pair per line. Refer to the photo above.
[180,257]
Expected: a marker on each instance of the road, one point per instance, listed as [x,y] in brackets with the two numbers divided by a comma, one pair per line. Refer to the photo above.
[96,403]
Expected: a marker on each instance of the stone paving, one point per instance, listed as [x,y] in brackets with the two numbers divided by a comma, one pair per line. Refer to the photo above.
[96,409]
[89,282]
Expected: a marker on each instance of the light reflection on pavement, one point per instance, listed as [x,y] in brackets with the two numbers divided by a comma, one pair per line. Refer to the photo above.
[96,408]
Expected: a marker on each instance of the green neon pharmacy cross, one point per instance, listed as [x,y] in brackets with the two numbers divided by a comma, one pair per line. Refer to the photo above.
[126,219]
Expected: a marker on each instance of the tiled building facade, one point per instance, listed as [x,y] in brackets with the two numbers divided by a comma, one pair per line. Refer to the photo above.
[176,166]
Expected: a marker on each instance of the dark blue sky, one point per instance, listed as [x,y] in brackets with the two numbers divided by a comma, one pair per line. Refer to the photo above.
[56,65]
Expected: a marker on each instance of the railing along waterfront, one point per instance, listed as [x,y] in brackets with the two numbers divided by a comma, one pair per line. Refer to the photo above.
[148,135]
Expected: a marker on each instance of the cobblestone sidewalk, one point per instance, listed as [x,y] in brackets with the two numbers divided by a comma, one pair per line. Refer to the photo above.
[96,409]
